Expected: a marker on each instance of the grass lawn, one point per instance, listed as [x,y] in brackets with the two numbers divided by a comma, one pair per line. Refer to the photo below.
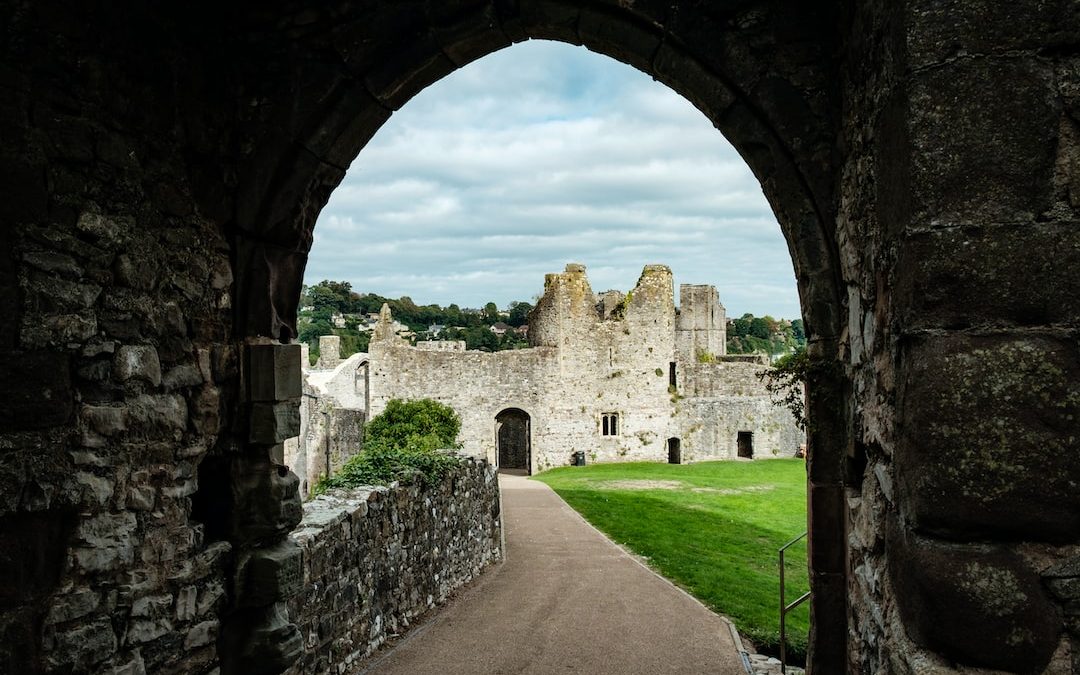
[713,528]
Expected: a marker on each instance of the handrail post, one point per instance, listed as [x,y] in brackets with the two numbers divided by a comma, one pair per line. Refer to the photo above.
[784,607]
[783,617]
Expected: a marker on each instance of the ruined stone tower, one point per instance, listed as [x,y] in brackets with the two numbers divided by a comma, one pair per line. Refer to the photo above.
[702,323]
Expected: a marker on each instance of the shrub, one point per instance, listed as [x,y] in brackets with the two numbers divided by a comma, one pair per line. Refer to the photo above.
[406,443]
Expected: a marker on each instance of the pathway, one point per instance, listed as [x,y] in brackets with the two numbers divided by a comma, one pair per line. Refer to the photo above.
[566,600]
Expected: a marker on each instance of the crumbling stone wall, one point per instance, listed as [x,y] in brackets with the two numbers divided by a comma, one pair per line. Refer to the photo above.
[590,358]
[332,417]
[376,559]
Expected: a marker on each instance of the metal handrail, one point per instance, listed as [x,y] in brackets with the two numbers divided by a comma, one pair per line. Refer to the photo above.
[785,608]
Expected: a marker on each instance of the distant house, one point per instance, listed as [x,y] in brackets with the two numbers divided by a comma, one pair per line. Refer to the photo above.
[500,328]
[338,320]
[435,329]
[522,330]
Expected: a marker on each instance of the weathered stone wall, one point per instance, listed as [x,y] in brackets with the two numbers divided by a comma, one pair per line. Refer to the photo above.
[702,323]
[584,366]
[376,559]
[959,221]
[332,417]
[115,362]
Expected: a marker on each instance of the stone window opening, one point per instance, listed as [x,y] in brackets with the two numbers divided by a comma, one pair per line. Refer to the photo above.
[673,380]
[609,424]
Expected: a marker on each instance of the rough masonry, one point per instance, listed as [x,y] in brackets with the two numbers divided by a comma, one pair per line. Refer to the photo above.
[377,559]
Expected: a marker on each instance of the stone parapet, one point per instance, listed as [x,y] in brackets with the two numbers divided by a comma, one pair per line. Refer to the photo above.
[375,559]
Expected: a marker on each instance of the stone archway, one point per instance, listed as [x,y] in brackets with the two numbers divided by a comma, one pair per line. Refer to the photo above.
[163,167]
[513,440]
[775,101]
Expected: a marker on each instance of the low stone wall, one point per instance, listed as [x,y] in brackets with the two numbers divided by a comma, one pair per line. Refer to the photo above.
[374,559]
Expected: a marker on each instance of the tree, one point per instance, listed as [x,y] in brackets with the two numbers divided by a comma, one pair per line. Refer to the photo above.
[759,328]
[481,337]
[519,313]
[310,331]
[798,331]
[491,313]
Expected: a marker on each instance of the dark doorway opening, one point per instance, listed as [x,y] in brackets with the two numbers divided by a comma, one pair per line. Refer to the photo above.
[674,451]
[746,444]
[512,439]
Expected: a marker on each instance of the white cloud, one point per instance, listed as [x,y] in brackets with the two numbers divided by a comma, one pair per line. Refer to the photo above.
[540,155]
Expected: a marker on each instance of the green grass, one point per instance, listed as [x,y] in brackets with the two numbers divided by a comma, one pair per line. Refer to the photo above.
[718,542]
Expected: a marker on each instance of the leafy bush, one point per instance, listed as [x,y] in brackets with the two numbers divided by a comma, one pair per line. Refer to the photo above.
[405,443]
[786,381]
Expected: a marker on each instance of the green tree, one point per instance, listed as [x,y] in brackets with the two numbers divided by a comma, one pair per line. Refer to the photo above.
[798,331]
[519,313]
[759,328]
[405,442]
[481,337]
[491,313]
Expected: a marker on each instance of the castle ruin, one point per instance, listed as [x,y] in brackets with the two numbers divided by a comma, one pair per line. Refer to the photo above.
[617,377]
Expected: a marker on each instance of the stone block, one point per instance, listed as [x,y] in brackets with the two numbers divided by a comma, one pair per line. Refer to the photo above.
[987,443]
[952,125]
[945,589]
[145,630]
[137,362]
[259,641]
[35,390]
[106,420]
[83,646]
[274,372]
[546,19]
[938,31]
[72,604]
[265,500]
[827,513]
[402,74]
[106,542]
[206,411]
[186,603]
[961,277]
[187,375]
[272,423]
[630,43]
[270,574]
[201,634]
[151,606]
[467,36]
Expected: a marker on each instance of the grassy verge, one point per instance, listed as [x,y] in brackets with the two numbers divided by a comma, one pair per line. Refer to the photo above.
[712,527]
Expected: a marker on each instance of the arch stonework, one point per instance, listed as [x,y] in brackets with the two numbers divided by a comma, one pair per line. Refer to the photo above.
[512,434]
[162,171]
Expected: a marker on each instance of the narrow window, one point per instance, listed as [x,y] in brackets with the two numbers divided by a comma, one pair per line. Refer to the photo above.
[609,424]
[671,378]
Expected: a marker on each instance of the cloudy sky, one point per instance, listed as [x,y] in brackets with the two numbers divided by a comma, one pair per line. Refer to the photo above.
[540,155]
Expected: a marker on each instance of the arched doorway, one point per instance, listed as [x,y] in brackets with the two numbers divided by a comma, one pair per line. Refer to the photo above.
[773,93]
[512,440]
